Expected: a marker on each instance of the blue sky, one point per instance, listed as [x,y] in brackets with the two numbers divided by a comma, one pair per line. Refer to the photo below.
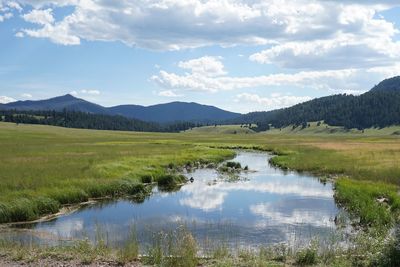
[238,55]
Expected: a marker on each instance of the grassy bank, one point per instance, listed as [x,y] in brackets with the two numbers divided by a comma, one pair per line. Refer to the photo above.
[43,168]
[179,248]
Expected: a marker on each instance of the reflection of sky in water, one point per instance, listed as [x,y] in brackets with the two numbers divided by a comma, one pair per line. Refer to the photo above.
[269,206]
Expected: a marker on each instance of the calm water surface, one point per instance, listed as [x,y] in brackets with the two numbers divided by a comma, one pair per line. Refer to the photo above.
[265,206]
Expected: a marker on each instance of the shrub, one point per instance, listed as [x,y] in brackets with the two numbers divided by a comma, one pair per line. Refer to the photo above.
[146,179]
[170,180]
[232,164]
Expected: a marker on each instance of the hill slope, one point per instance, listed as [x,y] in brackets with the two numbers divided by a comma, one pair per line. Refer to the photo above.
[379,107]
[391,84]
[162,113]
[174,111]
[59,103]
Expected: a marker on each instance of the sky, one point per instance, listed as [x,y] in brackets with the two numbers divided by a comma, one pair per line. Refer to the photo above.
[238,55]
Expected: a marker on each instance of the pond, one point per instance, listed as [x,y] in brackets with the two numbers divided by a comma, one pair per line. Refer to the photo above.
[263,206]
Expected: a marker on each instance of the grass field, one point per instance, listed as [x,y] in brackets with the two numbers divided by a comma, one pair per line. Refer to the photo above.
[43,168]
[221,129]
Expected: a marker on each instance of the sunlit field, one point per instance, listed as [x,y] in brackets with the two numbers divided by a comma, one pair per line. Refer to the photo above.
[43,168]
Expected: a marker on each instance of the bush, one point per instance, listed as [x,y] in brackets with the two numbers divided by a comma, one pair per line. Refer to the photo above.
[170,180]
[146,179]
[232,164]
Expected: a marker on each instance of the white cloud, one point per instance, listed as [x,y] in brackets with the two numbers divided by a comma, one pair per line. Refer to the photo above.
[340,80]
[41,17]
[14,5]
[7,8]
[5,16]
[85,92]
[344,51]
[178,24]
[168,93]
[6,99]
[26,95]
[90,92]
[58,32]
[204,66]
[275,101]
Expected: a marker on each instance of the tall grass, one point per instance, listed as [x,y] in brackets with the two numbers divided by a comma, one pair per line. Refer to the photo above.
[43,168]
[375,204]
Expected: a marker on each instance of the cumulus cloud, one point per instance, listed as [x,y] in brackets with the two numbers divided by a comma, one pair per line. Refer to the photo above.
[5,16]
[14,5]
[178,24]
[344,51]
[338,46]
[7,8]
[205,66]
[41,17]
[274,101]
[6,99]
[58,32]
[356,80]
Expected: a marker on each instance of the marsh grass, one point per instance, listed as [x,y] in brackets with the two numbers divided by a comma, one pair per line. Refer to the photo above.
[173,248]
[130,250]
[362,200]
[179,248]
[43,168]
[308,255]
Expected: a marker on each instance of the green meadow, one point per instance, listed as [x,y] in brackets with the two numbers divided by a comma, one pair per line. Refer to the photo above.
[43,168]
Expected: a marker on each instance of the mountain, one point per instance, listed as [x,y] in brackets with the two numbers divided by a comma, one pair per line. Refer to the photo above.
[59,103]
[391,84]
[378,107]
[174,111]
[161,113]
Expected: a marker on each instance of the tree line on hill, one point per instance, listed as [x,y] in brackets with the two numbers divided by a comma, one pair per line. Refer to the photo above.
[376,108]
[83,120]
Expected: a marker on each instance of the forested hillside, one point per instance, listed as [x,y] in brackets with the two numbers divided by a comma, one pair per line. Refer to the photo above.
[379,107]
[161,113]
[74,119]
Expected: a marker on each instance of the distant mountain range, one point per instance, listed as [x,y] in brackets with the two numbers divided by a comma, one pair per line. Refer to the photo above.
[161,113]
[379,107]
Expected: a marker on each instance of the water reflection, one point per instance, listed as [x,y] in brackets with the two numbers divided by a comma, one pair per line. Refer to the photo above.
[265,206]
